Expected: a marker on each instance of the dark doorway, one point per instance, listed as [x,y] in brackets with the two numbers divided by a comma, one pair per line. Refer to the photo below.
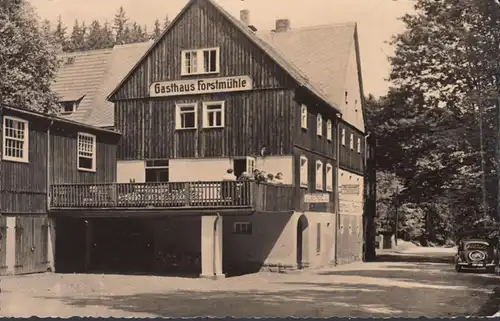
[239,166]
[70,246]
[301,236]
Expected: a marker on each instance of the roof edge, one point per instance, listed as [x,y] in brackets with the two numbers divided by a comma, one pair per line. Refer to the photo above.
[57,118]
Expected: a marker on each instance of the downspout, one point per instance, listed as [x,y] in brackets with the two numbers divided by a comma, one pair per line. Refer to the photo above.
[366,198]
[48,166]
[215,243]
[337,194]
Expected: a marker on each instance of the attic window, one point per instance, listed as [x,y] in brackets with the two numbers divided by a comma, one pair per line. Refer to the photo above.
[68,107]
[200,61]
[346,98]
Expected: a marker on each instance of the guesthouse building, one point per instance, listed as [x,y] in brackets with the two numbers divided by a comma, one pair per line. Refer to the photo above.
[213,93]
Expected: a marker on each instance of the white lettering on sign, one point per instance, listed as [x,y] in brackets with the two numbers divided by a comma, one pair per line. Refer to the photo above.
[200,86]
[317,198]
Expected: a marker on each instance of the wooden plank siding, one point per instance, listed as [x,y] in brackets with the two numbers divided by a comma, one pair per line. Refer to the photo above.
[3,244]
[252,120]
[300,191]
[350,159]
[308,139]
[202,26]
[23,187]
[63,158]
[31,251]
[263,116]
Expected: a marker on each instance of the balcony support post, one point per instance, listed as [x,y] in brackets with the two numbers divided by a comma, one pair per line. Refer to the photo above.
[211,247]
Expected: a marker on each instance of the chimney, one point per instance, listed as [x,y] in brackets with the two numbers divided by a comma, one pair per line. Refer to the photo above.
[282,25]
[245,19]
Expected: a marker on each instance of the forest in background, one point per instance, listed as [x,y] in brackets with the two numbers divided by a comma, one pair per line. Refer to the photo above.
[100,35]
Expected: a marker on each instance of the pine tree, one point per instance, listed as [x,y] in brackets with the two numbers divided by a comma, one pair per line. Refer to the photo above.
[166,22]
[120,26]
[157,29]
[108,40]
[27,59]
[95,38]
[60,35]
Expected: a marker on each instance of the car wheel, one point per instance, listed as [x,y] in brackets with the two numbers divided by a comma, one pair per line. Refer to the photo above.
[458,268]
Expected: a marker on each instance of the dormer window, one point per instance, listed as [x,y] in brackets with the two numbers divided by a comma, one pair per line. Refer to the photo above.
[68,107]
[200,61]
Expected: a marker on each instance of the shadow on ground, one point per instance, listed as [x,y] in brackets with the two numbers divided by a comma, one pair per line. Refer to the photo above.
[400,288]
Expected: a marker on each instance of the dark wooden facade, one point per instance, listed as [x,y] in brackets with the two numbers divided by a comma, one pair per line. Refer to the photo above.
[24,186]
[349,158]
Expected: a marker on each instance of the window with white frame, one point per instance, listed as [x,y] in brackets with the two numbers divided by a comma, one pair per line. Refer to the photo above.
[359,145]
[185,116]
[15,139]
[329,129]
[213,114]
[304,179]
[242,228]
[319,175]
[343,136]
[86,152]
[200,61]
[351,141]
[329,177]
[303,116]
[319,125]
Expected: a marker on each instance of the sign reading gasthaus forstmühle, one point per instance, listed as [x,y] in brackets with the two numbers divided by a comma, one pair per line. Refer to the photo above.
[200,86]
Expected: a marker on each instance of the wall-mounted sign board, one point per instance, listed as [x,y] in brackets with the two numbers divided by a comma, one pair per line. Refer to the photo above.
[349,189]
[317,198]
[200,86]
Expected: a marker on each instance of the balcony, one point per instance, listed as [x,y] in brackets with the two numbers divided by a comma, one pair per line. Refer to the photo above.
[173,197]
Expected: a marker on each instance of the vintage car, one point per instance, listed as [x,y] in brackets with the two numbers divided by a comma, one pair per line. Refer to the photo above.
[476,253]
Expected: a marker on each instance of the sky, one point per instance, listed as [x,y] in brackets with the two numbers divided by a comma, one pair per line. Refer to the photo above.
[377,21]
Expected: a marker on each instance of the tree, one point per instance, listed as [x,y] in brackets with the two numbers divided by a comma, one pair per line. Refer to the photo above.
[77,38]
[120,26]
[108,40]
[95,38]
[28,60]
[437,128]
[157,29]
[166,22]
[60,35]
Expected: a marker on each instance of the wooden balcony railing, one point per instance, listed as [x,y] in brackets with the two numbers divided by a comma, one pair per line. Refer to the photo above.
[245,194]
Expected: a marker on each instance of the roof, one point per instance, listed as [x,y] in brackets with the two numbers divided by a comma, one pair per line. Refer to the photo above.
[92,75]
[271,48]
[57,119]
[327,65]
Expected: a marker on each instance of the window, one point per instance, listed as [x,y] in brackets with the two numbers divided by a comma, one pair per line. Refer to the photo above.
[213,114]
[157,170]
[86,152]
[319,175]
[242,228]
[346,98]
[303,116]
[359,145]
[343,136]
[304,180]
[202,61]
[351,141]
[67,107]
[185,116]
[15,139]
[329,130]
[318,238]
[319,125]
[329,177]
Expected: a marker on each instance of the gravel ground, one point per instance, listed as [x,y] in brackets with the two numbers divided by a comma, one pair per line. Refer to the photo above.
[400,285]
